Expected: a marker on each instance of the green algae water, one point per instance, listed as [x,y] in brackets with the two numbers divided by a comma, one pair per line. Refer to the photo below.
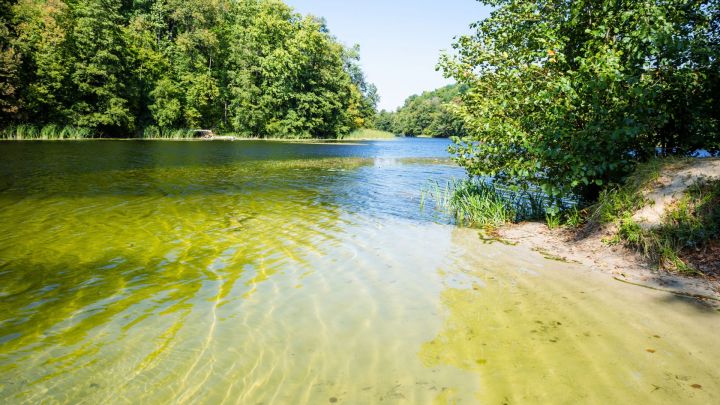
[276,273]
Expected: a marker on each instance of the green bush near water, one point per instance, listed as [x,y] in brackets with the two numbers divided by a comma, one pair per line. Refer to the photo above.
[571,95]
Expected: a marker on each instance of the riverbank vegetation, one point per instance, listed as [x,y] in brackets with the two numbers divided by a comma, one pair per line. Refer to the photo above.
[571,96]
[480,203]
[144,69]
[46,132]
[430,114]
[669,211]
[583,100]
[366,133]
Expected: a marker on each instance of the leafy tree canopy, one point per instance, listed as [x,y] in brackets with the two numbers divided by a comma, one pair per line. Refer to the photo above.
[254,67]
[432,113]
[569,95]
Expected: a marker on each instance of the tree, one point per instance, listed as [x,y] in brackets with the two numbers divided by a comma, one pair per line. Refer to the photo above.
[45,63]
[9,66]
[369,97]
[570,95]
[287,77]
[254,67]
[100,77]
[432,113]
[385,121]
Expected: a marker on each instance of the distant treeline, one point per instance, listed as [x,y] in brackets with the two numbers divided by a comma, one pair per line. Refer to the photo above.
[128,68]
[430,114]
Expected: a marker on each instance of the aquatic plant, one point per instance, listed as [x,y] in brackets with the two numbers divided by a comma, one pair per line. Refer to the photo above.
[477,202]
[47,132]
[153,132]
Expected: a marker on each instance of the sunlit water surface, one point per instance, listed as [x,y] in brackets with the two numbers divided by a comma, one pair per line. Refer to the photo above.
[258,272]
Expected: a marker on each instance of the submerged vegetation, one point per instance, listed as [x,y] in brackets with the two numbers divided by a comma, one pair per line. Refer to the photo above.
[250,67]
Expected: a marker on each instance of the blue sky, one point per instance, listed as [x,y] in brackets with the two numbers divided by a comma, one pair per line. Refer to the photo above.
[400,40]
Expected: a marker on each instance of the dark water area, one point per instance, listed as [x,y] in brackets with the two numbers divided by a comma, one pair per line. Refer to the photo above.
[376,177]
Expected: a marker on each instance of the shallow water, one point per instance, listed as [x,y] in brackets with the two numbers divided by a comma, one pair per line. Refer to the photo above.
[260,272]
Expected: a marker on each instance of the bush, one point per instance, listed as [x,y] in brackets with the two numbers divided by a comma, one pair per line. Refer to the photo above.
[570,96]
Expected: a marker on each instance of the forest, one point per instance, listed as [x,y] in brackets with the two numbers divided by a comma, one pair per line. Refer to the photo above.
[150,67]
[432,113]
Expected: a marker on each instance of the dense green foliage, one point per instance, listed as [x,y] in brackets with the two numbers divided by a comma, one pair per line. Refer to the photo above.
[570,95]
[432,113]
[251,67]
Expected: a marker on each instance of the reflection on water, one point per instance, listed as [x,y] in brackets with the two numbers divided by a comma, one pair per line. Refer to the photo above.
[292,273]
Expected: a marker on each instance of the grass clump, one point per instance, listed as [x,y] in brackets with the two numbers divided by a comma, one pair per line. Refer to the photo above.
[688,226]
[153,132]
[48,132]
[617,202]
[478,203]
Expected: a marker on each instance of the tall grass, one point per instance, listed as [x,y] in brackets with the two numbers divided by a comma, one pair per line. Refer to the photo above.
[479,203]
[153,132]
[691,223]
[48,132]
[618,201]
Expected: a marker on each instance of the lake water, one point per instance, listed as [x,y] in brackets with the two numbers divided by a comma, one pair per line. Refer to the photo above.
[278,273]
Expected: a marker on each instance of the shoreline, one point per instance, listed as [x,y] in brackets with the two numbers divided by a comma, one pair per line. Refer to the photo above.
[622,264]
[215,139]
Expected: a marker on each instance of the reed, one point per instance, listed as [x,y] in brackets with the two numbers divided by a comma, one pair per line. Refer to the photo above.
[153,132]
[480,203]
[22,132]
